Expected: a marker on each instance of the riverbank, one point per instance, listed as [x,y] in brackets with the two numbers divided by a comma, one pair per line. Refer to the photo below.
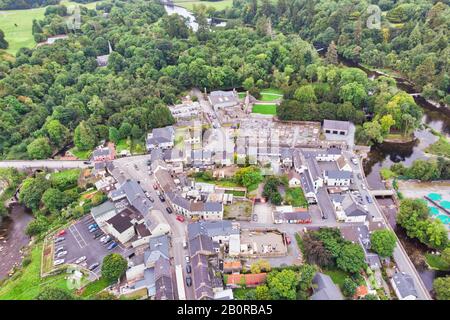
[13,239]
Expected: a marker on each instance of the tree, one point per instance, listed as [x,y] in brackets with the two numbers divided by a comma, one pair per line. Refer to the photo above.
[316,253]
[282,284]
[386,122]
[113,267]
[57,133]
[373,131]
[383,242]
[248,176]
[114,135]
[136,132]
[54,200]
[305,94]
[52,293]
[32,190]
[351,258]
[3,43]
[349,287]
[39,149]
[353,92]
[161,117]
[262,293]
[442,288]
[445,255]
[332,55]
[260,265]
[307,273]
[84,137]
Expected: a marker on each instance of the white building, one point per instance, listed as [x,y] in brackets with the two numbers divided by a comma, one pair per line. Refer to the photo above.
[337,178]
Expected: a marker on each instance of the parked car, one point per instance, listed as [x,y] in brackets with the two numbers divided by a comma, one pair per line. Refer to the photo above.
[112,245]
[58,262]
[155,186]
[94,225]
[80,260]
[355,160]
[188,268]
[59,249]
[359,176]
[369,199]
[169,210]
[61,233]
[108,241]
[363,187]
[149,162]
[93,229]
[184,244]
[102,239]
[86,162]
[151,199]
[94,266]
[59,239]
[188,281]
[255,218]
[188,259]
[147,194]
[61,254]
[136,167]
[180,218]
[161,197]
[98,235]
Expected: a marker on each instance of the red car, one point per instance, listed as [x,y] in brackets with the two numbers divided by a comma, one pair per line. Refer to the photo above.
[288,240]
[155,186]
[180,218]
[61,233]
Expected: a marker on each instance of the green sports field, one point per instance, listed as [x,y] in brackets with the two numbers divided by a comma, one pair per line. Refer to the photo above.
[16,24]
[218,5]
[265,109]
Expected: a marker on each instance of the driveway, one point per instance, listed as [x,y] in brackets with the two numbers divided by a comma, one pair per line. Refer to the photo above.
[264,212]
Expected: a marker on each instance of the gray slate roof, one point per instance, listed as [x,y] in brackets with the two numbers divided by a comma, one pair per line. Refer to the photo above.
[405,284]
[105,207]
[326,289]
[336,125]
[211,228]
[338,175]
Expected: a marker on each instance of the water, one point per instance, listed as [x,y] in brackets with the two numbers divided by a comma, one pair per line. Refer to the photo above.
[172,9]
[13,238]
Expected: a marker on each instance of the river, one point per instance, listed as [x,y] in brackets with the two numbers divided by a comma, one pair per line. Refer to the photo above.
[13,238]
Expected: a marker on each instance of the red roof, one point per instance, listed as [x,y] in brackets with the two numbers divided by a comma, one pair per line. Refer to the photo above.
[251,279]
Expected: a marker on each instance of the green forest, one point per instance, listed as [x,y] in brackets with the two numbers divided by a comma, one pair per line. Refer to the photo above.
[54,95]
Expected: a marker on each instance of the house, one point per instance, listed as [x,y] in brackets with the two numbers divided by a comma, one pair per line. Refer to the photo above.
[187,110]
[330,154]
[297,161]
[313,171]
[325,289]
[158,248]
[403,285]
[163,138]
[336,127]
[373,261]
[286,156]
[223,99]
[343,164]
[354,213]
[302,216]
[103,213]
[294,179]
[104,153]
[122,225]
[105,184]
[249,280]
[218,231]
[135,196]
[204,210]
[232,266]
[337,178]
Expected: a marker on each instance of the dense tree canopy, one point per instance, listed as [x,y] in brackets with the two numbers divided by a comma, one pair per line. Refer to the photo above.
[383,242]
[113,267]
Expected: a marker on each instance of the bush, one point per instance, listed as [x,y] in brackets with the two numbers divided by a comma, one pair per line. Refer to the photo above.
[113,267]
[50,293]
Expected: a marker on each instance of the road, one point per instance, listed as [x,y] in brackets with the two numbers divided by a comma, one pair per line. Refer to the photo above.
[43,164]
[401,258]
[178,229]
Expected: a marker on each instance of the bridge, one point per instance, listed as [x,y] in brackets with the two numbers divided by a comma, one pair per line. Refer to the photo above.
[44,164]
[382,193]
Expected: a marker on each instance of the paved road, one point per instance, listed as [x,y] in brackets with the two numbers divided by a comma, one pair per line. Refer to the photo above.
[44,164]
[401,258]
[178,229]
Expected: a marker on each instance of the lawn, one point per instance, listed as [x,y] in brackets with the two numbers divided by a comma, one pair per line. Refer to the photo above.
[135,146]
[265,109]
[338,276]
[271,94]
[82,155]
[94,287]
[436,262]
[17,24]
[28,283]
[296,197]
[218,5]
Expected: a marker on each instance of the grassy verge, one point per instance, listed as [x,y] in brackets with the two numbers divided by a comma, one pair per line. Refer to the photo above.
[27,283]
[236,193]
[300,245]
[265,109]
[436,262]
[94,287]
[338,276]
[82,155]
[440,147]
[133,146]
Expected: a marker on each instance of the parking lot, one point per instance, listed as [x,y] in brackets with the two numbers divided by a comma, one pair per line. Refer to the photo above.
[80,242]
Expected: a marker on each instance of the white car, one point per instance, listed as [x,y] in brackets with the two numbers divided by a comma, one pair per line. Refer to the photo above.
[188,259]
[61,254]
[80,259]
[363,187]
[355,161]
[58,262]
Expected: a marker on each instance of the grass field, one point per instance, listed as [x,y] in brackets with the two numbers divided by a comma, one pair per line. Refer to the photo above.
[82,155]
[94,287]
[440,147]
[271,94]
[265,109]
[436,262]
[338,276]
[218,5]
[20,36]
